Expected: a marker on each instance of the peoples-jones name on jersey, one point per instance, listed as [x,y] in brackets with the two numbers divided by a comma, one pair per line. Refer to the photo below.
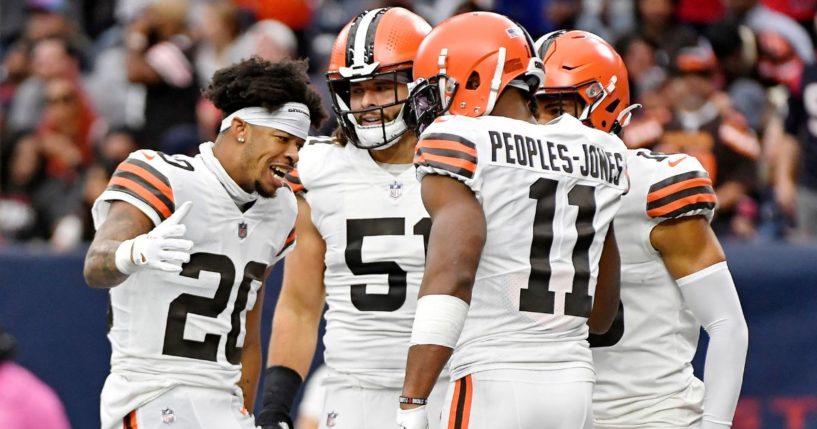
[528,152]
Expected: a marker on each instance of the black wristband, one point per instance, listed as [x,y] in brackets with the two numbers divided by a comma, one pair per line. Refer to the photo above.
[413,401]
[281,384]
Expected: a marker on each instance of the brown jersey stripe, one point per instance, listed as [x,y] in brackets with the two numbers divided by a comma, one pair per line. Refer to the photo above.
[449,137]
[654,204]
[460,414]
[129,421]
[453,165]
[683,205]
[288,242]
[135,190]
[678,186]
[164,198]
[158,183]
[676,179]
[149,169]
[448,144]
[451,153]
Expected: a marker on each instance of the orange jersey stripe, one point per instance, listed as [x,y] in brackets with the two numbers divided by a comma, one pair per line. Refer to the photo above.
[454,162]
[296,187]
[448,144]
[148,177]
[675,187]
[129,421]
[151,199]
[452,415]
[466,412]
[677,204]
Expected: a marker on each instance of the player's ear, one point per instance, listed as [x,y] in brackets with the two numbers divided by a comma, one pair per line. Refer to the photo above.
[239,129]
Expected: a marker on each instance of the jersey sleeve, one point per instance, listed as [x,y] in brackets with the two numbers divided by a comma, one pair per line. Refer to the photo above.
[288,244]
[140,181]
[680,187]
[445,149]
[310,158]
[293,179]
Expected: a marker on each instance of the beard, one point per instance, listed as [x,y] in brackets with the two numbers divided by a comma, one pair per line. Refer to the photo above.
[264,192]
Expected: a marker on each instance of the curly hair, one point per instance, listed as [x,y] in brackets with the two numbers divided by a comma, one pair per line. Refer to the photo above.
[259,83]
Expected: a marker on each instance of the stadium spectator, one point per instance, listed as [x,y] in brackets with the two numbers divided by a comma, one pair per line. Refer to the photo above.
[25,401]
[160,53]
[699,120]
[760,18]
[801,126]
[51,58]
[22,215]
[219,30]
[656,22]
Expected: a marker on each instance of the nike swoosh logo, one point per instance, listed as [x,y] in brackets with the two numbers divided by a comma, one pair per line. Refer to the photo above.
[676,162]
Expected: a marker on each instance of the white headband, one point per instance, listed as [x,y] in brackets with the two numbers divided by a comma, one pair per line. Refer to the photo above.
[292,118]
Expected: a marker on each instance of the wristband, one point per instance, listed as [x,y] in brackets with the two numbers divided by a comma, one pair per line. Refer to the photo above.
[124,257]
[281,384]
[413,401]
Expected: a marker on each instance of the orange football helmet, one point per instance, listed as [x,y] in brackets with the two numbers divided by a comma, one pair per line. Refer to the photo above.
[377,44]
[583,64]
[466,62]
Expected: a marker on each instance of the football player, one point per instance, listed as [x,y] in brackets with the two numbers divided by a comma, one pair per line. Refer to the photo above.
[184,244]
[362,234]
[674,277]
[520,243]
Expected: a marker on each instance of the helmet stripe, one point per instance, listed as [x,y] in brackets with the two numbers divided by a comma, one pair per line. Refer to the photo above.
[356,41]
[370,33]
[350,37]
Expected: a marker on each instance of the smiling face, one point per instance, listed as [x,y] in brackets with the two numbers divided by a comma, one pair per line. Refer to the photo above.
[372,93]
[267,156]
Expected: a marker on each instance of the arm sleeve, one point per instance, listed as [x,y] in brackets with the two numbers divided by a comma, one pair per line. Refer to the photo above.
[711,295]
[138,180]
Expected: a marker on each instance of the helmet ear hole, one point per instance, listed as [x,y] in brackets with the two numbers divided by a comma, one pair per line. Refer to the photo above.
[473,81]
[603,124]
[612,106]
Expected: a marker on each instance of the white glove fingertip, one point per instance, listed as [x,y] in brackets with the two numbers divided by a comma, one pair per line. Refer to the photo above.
[174,257]
[169,267]
[180,213]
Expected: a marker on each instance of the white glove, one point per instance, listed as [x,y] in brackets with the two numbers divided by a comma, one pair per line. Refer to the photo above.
[415,418]
[160,249]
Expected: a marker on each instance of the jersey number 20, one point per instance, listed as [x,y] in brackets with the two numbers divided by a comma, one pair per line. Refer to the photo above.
[184,304]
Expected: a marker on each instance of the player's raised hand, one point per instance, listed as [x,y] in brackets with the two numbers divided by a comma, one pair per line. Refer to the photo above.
[160,249]
[415,418]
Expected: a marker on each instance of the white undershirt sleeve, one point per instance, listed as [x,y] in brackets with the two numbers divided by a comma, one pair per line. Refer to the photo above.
[710,294]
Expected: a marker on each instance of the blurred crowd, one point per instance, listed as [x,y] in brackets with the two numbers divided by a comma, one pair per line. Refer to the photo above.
[83,83]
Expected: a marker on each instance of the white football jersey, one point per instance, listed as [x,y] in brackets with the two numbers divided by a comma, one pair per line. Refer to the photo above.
[376,229]
[643,364]
[549,193]
[188,328]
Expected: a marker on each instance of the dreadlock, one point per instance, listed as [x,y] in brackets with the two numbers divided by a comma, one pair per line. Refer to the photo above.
[256,82]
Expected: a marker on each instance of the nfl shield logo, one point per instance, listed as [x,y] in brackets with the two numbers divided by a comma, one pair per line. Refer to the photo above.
[395,190]
[168,416]
[330,418]
[242,230]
